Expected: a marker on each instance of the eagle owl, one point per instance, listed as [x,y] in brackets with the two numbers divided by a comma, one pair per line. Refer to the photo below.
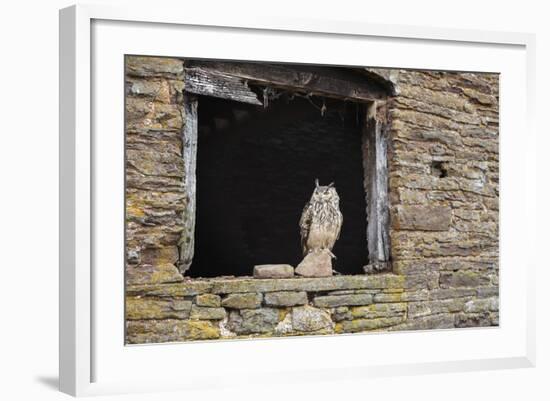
[321,220]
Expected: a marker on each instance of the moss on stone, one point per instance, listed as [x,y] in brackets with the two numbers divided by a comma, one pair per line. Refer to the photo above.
[207,313]
[208,300]
[169,330]
[242,301]
[149,308]
[379,310]
[357,325]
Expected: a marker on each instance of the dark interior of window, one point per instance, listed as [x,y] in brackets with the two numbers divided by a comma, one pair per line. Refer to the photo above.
[256,168]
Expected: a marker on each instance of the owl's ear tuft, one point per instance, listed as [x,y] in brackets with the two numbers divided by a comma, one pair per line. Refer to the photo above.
[317,183]
[331,184]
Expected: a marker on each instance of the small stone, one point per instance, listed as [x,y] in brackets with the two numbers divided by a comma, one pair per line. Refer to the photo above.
[308,319]
[225,331]
[286,298]
[285,325]
[341,313]
[273,271]
[206,313]
[210,300]
[316,264]
[242,301]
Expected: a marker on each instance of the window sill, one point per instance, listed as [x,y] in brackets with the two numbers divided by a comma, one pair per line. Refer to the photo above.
[229,285]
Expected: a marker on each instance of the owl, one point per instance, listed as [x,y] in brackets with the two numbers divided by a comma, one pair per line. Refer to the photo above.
[321,220]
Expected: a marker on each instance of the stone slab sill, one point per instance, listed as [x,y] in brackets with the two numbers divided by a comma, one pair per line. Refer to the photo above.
[198,286]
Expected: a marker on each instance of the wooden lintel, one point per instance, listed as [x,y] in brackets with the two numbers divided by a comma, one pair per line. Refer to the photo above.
[319,81]
[209,82]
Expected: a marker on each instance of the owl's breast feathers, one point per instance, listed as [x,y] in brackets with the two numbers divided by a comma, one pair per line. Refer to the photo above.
[320,226]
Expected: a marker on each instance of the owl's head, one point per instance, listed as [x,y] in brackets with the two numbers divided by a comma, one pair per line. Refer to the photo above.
[325,193]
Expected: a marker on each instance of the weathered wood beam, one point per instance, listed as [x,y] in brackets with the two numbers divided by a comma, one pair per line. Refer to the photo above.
[319,81]
[189,144]
[202,81]
[375,164]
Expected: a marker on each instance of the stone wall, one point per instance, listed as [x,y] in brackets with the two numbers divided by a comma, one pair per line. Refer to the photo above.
[154,168]
[444,186]
[444,222]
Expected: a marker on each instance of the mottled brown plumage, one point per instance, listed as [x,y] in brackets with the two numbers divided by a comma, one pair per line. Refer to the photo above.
[321,220]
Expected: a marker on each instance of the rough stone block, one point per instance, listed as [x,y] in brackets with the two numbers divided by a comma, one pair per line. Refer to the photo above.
[440,321]
[341,313]
[475,320]
[425,308]
[144,114]
[446,293]
[210,300]
[481,305]
[273,271]
[182,289]
[429,280]
[465,278]
[158,90]
[242,301]
[285,298]
[487,291]
[206,313]
[159,331]
[419,295]
[379,310]
[157,256]
[153,274]
[393,297]
[150,308]
[153,164]
[309,319]
[315,264]
[332,301]
[357,325]
[250,321]
[146,66]
[422,218]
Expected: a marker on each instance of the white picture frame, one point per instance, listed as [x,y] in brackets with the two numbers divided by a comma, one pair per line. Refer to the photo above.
[91,356]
